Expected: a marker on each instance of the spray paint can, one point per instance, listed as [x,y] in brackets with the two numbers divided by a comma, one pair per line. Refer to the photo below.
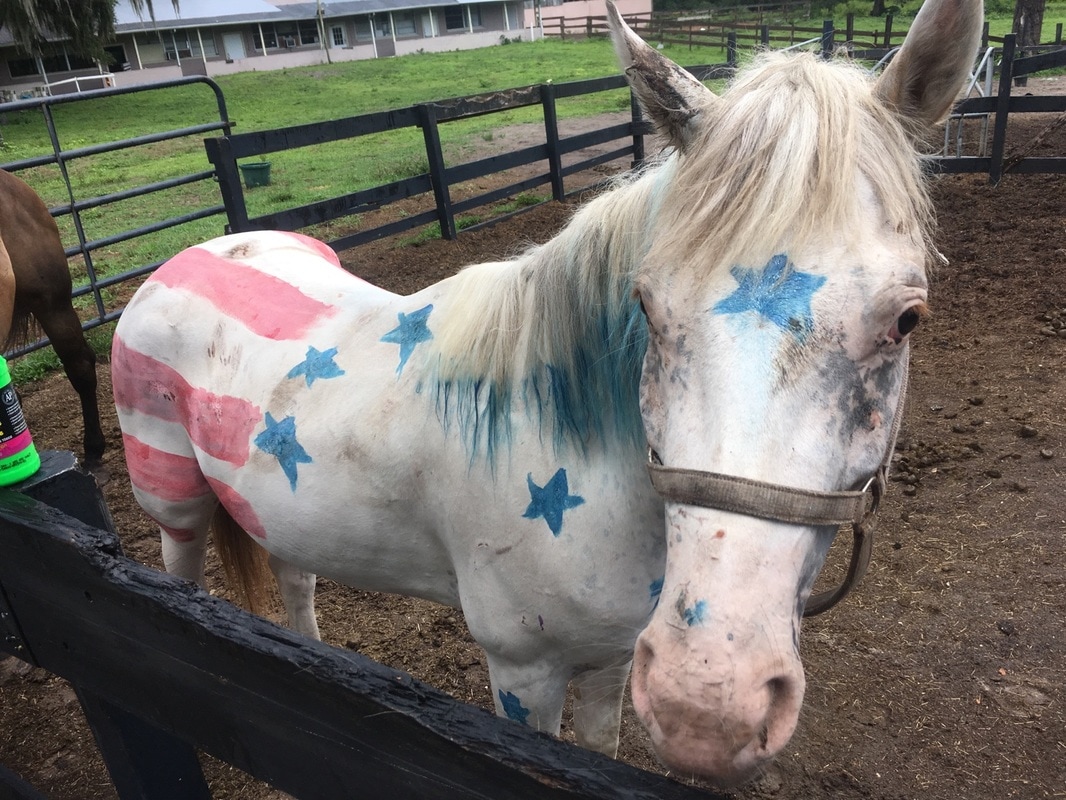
[18,455]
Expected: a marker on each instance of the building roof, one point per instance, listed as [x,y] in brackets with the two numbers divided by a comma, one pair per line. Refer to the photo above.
[206,13]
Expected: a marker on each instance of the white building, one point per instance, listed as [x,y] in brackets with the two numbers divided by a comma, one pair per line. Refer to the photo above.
[211,38]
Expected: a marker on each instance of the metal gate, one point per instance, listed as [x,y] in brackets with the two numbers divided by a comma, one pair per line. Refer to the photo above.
[76,207]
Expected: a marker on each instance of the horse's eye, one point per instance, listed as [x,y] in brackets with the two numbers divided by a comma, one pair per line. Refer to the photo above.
[908,321]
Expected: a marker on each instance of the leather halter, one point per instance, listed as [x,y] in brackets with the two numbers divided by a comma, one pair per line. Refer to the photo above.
[773,501]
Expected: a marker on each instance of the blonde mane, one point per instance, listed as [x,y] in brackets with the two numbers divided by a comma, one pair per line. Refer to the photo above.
[776,160]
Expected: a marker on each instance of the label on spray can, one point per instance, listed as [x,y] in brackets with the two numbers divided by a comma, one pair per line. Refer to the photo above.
[18,456]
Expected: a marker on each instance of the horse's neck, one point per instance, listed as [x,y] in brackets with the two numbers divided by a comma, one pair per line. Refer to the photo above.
[557,327]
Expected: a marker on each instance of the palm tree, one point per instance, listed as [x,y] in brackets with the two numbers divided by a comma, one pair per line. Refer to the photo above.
[86,25]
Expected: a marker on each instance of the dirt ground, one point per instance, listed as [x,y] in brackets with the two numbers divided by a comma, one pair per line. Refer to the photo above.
[943,676]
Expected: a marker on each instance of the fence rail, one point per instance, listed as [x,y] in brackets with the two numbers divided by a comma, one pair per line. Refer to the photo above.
[163,669]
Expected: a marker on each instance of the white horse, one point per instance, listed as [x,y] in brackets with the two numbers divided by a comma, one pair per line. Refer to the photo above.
[742,306]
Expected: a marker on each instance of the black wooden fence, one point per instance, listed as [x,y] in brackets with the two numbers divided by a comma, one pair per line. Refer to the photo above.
[225,151]
[163,669]
[1001,106]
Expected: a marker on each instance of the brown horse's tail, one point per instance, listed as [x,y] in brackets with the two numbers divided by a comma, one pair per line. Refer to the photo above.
[244,561]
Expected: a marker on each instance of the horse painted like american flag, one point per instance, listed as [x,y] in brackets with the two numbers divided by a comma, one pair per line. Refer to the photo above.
[740,309]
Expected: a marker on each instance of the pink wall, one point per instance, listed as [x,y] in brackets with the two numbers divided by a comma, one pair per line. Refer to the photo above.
[579,9]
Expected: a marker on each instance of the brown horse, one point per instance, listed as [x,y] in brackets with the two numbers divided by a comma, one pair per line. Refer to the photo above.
[35,281]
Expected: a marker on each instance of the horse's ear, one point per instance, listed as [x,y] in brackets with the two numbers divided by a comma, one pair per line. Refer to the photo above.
[669,95]
[924,79]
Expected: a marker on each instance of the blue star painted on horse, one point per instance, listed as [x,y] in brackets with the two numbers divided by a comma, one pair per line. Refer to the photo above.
[411,331]
[551,500]
[317,364]
[279,439]
[778,292]
[513,707]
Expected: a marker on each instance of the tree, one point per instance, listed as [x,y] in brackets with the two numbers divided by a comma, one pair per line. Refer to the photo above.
[85,25]
[1028,20]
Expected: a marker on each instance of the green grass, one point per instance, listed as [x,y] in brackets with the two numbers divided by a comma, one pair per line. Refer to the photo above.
[287,97]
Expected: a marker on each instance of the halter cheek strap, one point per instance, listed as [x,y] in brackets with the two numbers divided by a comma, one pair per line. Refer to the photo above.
[752,498]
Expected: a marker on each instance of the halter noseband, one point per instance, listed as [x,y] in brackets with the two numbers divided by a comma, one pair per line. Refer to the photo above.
[752,498]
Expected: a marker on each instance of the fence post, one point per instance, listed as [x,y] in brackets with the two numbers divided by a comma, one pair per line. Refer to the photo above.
[888,31]
[551,140]
[731,49]
[637,114]
[999,130]
[1058,33]
[427,118]
[849,28]
[827,38]
[764,36]
[145,762]
[220,154]
[984,36]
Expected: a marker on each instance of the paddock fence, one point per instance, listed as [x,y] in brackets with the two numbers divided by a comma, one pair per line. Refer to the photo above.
[163,670]
[553,162]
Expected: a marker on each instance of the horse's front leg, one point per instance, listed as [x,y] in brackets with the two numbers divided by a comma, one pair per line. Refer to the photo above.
[529,693]
[297,589]
[598,707]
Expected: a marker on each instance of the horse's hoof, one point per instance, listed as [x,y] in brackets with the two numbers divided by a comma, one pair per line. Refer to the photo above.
[99,471]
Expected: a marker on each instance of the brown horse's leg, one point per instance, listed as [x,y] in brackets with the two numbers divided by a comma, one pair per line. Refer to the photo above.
[7,294]
[61,325]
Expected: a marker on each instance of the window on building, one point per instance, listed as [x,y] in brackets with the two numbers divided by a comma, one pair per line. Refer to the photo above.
[52,62]
[382,30]
[270,36]
[362,29]
[308,31]
[288,35]
[404,22]
[454,18]
[475,16]
[176,45]
[337,35]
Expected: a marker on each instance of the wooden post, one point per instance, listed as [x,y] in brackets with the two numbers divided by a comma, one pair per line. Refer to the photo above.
[827,39]
[220,154]
[764,36]
[427,116]
[849,29]
[888,31]
[1058,33]
[637,115]
[999,129]
[551,134]
[984,36]
[731,49]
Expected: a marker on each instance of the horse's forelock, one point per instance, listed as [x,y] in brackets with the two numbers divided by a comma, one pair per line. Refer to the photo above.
[778,163]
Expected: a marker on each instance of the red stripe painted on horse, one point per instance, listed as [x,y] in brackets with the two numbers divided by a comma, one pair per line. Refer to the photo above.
[321,248]
[280,311]
[238,508]
[165,475]
[220,425]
